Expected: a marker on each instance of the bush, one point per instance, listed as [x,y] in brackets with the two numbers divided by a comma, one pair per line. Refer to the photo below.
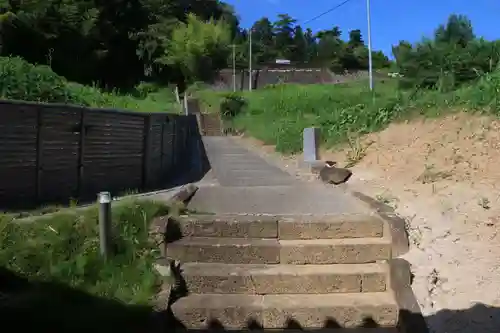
[21,80]
[232,105]
[143,89]
[452,58]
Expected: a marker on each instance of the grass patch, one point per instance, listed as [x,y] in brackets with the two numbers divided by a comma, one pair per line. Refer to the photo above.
[64,248]
[278,114]
[161,100]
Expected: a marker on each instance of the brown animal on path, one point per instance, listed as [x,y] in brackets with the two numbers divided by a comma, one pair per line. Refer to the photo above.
[330,174]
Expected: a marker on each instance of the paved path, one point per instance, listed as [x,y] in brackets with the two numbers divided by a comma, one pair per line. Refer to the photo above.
[243,182]
[233,165]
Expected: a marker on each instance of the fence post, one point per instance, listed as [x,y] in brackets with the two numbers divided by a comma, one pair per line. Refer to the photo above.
[146,149]
[39,153]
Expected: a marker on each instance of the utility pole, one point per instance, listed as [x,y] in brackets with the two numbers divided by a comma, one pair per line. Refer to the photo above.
[250,59]
[370,63]
[234,67]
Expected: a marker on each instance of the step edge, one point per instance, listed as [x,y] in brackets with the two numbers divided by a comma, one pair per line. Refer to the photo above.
[260,300]
[317,241]
[331,269]
[411,318]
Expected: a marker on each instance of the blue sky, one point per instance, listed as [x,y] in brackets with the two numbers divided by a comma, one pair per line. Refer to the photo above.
[392,20]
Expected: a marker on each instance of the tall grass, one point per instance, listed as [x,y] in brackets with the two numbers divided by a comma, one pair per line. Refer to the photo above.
[278,114]
[64,248]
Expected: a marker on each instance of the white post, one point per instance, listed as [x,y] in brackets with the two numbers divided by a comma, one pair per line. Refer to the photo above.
[234,67]
[250,60]
[177,97]
[186,111]
[370,64]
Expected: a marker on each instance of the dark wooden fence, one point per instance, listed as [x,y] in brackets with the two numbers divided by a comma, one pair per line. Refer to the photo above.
[52,153]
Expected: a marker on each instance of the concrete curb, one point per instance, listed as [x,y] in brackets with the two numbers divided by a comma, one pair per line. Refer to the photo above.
[184,193]
[180,193]
[399,236]
[411,319]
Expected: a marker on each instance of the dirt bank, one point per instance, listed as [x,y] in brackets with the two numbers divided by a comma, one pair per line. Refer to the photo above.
[443,176]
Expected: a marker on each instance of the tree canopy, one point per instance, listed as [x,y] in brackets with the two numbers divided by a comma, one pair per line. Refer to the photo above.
[119,43]
[452,57]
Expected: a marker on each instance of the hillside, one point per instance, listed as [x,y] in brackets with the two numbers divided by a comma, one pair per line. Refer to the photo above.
[23,81]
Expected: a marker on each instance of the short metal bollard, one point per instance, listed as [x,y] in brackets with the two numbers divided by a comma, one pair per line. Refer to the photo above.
[104,199]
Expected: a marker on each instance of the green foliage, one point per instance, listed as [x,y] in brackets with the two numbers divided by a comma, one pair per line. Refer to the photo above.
[119,44]
[278,114]
[143,89]
[452,58]
[285,39]
[20,80]
[232,105]
[64,248]
[197,48]
[113,43]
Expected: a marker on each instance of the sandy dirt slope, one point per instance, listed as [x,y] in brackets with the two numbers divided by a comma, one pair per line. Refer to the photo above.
[443,176]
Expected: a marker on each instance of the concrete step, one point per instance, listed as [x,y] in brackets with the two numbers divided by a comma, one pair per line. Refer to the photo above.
[235,311]
[330,226]
[237,226]
[225,250]
[216,278]
[284,227]
[273,251]
[335,251]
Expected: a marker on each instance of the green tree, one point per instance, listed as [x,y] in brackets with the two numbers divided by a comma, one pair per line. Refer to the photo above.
[334,32]
[283,32]
[380,60]
[299,49]
[330,48]
[311,45]
[457,30]
[452,58]
[402,52]
[355,38]
[198,48]
[263,46]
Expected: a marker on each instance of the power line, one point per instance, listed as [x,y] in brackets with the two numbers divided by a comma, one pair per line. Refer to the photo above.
[327,11]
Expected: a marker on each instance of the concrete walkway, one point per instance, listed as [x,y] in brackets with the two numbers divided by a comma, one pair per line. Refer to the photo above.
[234,165]
[242,182]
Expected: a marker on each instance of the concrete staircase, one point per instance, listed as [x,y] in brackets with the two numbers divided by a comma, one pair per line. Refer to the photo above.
[275,272]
